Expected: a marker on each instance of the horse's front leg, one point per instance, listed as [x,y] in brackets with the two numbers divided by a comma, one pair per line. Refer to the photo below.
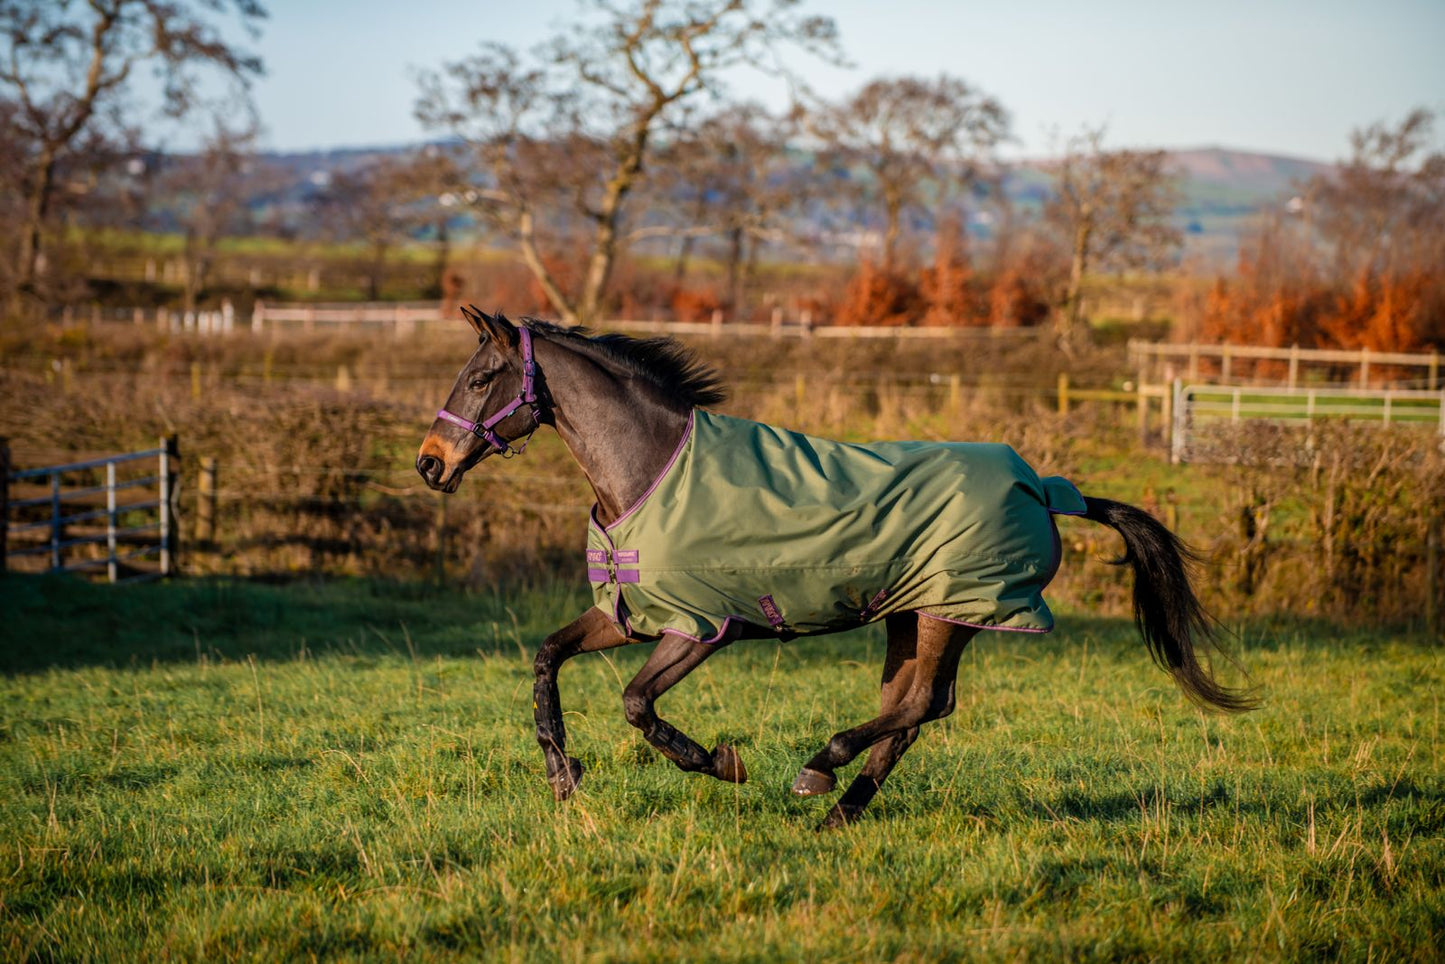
[675,657]
[590,632]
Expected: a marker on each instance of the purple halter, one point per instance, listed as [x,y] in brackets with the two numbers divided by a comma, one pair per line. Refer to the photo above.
[527,396]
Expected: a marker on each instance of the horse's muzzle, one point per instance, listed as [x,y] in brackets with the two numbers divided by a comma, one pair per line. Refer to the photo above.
[433,471]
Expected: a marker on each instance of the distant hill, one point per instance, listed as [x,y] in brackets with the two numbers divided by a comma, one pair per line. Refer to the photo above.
[1223,190]
[1260,175]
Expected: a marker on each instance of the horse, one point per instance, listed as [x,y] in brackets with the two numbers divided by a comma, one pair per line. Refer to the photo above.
[708,530]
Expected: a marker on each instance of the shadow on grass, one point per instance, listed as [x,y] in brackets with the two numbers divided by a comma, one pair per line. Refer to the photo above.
[61,622]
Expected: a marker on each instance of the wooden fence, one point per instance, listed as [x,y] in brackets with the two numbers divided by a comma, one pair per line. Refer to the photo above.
[72,517]
[404,318]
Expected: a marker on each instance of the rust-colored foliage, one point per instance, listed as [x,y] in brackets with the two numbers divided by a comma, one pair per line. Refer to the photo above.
[695,304]
[952,292]
[1362,272]
[1014,300]
[877,296]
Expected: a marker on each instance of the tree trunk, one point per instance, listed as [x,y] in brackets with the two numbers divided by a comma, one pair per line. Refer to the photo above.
[191,259]
[439,267]
[735,272]
[37,207]
[1073,330]
[684,255]
[527,241]
[375,271]
[893,205]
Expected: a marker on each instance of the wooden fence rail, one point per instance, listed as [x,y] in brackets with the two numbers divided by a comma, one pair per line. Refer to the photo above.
[53,519]
[404,318]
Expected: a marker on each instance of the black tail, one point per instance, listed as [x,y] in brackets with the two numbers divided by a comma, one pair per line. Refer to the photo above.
[1168,614]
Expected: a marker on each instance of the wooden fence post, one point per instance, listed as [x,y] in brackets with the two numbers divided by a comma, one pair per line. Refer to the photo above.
[1063,393]
[4,501]
[1141,409]
[206,503]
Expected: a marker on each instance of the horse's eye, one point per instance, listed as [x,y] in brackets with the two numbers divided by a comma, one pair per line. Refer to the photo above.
[477,384]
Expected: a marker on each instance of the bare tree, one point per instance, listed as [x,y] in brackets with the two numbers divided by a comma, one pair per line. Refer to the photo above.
[1383,210]
[564,138]
[381,205]
[67,66]
[208,192]
[917,139]
[1114,209]
[730,176]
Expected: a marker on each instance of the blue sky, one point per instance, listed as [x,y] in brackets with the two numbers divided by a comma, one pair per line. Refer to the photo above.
[1280,76]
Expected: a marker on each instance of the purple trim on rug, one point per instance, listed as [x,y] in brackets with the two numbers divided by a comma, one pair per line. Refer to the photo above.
[682,443]
[770,610]
[597,575]
[628,575]
[722,631]
[625,557]
[964,622]
[597,555]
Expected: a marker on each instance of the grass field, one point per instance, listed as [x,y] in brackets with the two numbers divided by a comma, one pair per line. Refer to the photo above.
[347,769]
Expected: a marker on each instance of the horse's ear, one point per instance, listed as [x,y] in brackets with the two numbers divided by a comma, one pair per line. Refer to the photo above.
[494,327]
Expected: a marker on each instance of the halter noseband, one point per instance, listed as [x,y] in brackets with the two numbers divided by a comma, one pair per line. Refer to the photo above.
[527,396]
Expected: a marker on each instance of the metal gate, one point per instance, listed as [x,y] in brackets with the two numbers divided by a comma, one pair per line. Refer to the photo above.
[84,516]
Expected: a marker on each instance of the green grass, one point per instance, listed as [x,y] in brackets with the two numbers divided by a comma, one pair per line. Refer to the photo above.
[347,770]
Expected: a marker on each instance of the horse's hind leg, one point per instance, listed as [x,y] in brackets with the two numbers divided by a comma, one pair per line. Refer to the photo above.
[881,758]
[590,632]
[918,683]
[672,660]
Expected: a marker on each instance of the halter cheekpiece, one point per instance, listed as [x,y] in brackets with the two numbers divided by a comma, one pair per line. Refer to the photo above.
[527,396]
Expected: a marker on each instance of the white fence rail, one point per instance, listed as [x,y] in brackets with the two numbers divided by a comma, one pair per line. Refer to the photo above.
[1164,362]
[97,522]
[1198,409]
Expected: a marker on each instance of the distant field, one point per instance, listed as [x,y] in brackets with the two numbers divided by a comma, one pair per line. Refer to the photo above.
[215,769]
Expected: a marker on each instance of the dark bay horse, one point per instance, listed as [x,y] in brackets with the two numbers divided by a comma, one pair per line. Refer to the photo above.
[686,499]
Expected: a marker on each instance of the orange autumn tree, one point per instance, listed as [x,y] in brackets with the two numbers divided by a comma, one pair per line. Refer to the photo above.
[1360,265]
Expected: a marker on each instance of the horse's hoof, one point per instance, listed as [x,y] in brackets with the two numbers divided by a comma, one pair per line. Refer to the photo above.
[565,782]
[813,782]
[838,817]
[727,765]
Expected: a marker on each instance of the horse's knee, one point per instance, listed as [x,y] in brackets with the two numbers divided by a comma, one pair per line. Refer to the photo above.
[545,662]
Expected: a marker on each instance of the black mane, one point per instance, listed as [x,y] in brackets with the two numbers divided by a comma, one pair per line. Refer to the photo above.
[667,364]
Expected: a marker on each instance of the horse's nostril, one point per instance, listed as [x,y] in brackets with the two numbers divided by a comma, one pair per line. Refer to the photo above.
[430,467]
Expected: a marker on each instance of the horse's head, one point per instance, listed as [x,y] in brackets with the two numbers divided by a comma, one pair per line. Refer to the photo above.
[492,404]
